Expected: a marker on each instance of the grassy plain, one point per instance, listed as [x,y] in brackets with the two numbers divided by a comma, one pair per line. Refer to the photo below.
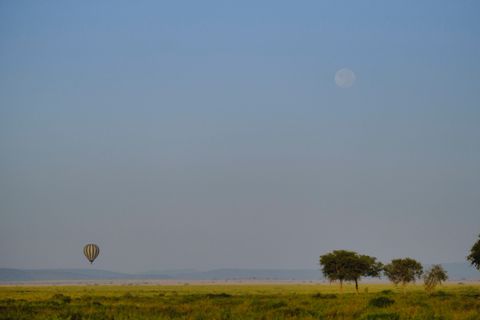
[238,301]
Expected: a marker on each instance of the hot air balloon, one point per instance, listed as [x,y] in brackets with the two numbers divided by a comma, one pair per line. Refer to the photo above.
[91,251]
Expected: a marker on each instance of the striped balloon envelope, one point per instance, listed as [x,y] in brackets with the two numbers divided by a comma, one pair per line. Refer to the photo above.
[91,251]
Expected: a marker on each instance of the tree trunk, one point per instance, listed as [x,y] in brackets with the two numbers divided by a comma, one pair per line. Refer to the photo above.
[356,285]
[341,286]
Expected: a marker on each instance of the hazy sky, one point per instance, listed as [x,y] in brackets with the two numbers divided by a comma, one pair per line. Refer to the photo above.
[205,134]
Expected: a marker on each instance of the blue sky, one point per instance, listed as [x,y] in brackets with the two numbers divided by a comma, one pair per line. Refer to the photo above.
[210,134]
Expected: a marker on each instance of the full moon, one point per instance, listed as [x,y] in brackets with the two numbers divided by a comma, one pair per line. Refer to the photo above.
[344,78]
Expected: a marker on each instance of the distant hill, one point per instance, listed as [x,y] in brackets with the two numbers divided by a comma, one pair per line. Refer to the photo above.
[18,275]
[456,271]
[14,275]
[248,274]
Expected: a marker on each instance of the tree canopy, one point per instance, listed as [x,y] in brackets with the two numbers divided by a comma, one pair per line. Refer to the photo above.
[474,256]
[434,276]
[403,271]
[343,265]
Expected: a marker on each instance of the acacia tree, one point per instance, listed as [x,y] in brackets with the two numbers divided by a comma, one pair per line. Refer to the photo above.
[343,265]
[474,256]
[434,276]
[403,271]
[365,266]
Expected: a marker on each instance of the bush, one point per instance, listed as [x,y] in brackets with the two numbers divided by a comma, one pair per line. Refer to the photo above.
[381,302]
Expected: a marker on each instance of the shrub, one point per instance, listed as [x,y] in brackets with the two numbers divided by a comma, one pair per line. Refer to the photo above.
[433,277]
[381,302]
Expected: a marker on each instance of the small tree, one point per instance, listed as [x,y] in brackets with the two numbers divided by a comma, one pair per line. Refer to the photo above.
[342,265]
[434,276]
[403,271]
[474,256]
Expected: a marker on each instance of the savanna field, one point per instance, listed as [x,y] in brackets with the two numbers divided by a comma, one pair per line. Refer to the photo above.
[239,301]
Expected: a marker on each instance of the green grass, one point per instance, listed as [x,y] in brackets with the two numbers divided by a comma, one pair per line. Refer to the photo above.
[241,301]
